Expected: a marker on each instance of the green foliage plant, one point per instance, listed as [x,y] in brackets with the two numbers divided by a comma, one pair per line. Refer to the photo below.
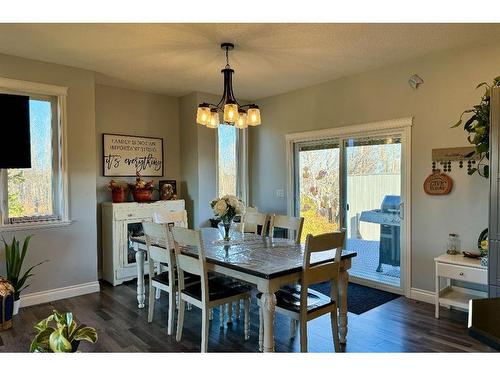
[64,337]
[14,259]
[478,128]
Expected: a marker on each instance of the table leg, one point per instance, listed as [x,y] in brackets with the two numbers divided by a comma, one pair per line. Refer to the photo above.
[436,295]
[139,260]
[343,285]
[268,303]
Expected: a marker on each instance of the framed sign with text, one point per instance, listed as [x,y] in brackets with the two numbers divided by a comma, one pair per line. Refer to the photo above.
[125,155]
[438,183]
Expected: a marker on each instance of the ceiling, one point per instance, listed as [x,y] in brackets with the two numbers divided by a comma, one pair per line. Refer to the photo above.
[269,59]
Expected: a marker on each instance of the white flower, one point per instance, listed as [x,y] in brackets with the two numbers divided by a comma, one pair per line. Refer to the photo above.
[233,202]
[240,208]
[220,207]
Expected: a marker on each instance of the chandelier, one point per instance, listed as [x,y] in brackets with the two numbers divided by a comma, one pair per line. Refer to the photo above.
[241,116]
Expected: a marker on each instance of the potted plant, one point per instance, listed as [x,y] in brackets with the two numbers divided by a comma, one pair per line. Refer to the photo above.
[478,127]
[14,259]
[142,191]
[226,208]
[118,192]
[65,337]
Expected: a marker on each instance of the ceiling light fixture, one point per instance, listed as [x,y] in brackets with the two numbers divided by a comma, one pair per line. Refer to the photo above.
[241,116]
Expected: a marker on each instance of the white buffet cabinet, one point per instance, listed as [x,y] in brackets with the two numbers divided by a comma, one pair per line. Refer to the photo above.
[119,222]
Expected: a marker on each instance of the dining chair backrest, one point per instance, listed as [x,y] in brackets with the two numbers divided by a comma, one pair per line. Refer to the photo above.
[251,221]
[184,237]
[291,223]
[164,217]
[158,234]
[329,271]
[171,219]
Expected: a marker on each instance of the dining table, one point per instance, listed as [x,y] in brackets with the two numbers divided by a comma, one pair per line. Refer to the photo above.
[268,263]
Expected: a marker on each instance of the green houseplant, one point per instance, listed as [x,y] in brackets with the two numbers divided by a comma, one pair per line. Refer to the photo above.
[478,127]
[65,337]
[14,259]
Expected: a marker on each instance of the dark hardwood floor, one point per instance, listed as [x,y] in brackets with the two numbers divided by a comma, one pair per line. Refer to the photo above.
[401,325]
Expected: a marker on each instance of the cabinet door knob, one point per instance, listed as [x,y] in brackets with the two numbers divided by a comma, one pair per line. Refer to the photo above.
[461,273]
[129,215]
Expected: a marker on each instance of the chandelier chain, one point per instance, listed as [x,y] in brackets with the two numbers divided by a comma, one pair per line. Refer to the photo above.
[227,58]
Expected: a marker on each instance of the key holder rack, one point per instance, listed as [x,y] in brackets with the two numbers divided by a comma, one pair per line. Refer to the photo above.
[446,156]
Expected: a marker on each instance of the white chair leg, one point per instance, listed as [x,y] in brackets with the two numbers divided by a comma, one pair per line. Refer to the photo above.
[303,336]
[335,331]
[180,319]
[247,317]
[189,306]
[211,314]
[237,310]
[229,312]
[204,330]
[293,328]
[221,315]
[261,328]
[151,306]
[158,293]
[171,312]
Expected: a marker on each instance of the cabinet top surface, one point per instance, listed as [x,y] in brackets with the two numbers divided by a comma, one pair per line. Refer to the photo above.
[146,204]
[459,260]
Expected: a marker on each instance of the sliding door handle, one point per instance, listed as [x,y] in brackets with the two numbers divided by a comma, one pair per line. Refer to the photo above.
[402,211]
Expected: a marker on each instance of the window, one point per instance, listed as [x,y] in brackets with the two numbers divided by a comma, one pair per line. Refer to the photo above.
[227,161]
[231,162]
[37,194]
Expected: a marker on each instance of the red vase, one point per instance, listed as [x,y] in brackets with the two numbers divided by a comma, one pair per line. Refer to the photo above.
[142,195]
[118,195]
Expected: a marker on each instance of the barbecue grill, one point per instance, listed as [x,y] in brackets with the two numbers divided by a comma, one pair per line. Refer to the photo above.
[388,216]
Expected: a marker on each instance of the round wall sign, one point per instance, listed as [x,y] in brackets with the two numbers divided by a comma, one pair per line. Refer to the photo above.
[438,183]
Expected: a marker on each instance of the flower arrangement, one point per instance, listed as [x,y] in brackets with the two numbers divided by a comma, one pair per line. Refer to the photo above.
[142,191]
[226,208]
[118,191]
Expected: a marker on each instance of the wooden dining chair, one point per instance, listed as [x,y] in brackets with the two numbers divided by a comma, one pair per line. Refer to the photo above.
[165,279]
[210,292]
[170,218]
[178,218]
[250,222]
[291,223]
[302,303]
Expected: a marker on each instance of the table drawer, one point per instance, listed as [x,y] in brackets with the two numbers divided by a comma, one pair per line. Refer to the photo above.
[470,274]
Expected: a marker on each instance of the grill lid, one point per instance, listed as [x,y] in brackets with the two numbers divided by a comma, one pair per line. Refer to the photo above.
[391,203]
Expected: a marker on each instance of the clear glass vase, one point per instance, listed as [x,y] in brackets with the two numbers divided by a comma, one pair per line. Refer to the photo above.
[225,229]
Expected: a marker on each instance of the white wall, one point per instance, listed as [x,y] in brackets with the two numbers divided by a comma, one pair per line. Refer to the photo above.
[198,145]
[71,250]
[450,80]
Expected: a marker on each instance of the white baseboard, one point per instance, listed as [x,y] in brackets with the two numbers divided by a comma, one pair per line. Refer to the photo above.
[422,295]
[59,293]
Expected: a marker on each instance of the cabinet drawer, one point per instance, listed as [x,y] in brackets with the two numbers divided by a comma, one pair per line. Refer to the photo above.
[127,215]
[473,275]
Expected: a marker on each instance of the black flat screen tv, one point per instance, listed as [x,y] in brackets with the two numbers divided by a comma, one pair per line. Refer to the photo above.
[15,147]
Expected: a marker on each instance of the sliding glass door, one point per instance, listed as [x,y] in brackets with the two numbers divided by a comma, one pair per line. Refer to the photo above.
[372,186]
[318,186]
[355,182]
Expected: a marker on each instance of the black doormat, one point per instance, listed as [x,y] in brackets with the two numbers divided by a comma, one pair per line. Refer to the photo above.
[360,298]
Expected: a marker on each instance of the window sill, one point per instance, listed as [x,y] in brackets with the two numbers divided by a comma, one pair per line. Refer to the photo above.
[34,226]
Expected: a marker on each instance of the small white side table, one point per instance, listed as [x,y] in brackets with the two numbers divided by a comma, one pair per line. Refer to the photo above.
[458,267]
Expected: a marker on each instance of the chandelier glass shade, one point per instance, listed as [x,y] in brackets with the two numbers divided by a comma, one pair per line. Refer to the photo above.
[240,116]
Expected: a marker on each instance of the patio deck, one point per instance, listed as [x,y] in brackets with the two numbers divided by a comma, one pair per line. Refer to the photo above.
[366,263]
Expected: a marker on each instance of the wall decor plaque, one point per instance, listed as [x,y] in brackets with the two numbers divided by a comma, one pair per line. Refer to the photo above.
[125,155]
[438,183]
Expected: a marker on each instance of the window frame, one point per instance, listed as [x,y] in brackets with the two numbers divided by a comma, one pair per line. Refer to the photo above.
[57,95]
[241,164]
